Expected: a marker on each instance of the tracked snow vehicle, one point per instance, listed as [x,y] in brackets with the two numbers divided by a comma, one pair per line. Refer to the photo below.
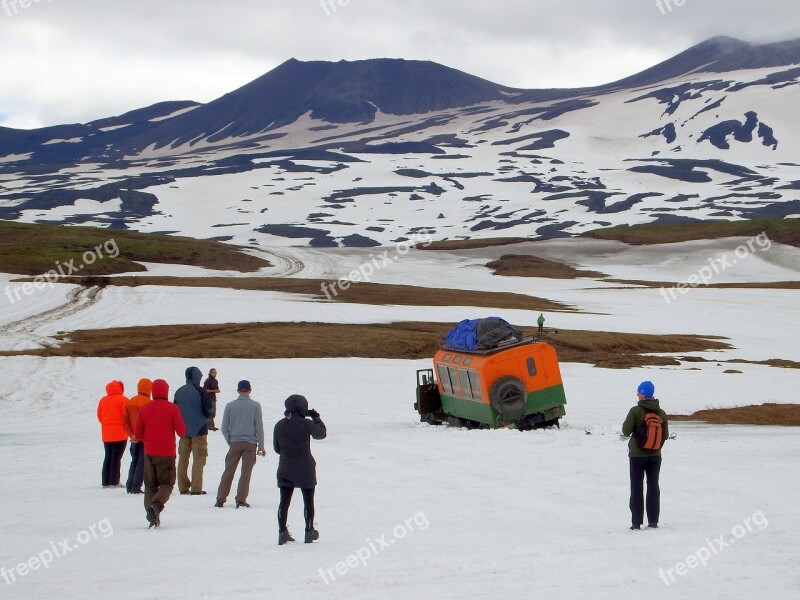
[486,374]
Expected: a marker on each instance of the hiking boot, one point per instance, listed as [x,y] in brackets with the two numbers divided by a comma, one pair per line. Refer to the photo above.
[152,516]
[197,493]
[244,504]
[186,493]
[635,527]
[311,535]
[652,525]
[284,536]
[219,504]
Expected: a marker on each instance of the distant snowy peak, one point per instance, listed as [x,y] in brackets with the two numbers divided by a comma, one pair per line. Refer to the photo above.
[378,151]
[334,92]
[717,55]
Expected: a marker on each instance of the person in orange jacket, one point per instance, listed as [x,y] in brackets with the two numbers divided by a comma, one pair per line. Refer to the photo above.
[132,408]
[110,411]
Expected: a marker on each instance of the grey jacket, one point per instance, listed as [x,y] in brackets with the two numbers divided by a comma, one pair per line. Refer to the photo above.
[242,422]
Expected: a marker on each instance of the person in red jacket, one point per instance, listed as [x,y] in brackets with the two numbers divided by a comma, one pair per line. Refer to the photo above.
[156,427]
[110,411]
[135,404]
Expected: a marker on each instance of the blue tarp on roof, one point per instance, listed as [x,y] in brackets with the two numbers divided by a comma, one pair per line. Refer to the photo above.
[472,335]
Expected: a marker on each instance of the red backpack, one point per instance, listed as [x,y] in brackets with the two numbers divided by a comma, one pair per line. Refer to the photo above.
[650,435]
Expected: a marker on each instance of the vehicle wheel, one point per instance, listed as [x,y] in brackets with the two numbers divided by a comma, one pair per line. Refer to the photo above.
[430,419]
[456,421]
[508,397]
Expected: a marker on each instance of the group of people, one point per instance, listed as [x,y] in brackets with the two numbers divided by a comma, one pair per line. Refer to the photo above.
[150,422]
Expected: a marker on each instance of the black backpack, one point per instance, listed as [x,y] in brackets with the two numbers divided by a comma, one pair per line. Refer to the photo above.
[650,434]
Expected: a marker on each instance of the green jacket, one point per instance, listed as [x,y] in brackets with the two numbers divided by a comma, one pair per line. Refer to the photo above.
[633,422]
[540,320]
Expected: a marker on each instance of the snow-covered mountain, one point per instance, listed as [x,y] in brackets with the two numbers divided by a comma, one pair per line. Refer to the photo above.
[371,152]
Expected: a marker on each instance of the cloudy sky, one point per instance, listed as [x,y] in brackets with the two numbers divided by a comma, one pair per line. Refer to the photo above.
[77,60]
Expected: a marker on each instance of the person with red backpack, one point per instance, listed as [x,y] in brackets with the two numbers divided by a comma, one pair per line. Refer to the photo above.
[648,429]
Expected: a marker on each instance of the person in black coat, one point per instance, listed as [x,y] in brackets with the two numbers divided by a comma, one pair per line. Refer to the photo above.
[297,467]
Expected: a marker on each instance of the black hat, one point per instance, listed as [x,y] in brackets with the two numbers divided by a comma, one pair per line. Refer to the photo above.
[296,404]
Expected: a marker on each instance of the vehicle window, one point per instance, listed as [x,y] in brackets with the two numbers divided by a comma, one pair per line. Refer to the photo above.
[444,377]
[531,367]
[466,390]
[456,360]
[454,381]
[475,385]
[468,360]
[447,357]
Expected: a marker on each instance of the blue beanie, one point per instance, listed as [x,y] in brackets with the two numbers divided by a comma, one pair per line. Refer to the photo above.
[646,389]
[244,386]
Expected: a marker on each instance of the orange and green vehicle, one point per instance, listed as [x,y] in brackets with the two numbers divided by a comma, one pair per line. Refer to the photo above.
[510,382]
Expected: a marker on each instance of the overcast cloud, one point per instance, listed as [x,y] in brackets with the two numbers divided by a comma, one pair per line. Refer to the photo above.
[71,61]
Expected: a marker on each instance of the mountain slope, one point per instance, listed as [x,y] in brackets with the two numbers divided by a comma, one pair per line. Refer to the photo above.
[343,92]
[373,152]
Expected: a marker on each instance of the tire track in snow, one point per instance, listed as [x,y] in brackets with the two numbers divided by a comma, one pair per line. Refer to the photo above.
[78,299]
[286,265]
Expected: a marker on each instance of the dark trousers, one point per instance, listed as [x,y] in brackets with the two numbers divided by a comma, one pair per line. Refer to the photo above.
[246,453]
[159,480]
[210,422]
[286,500]
[651,465]
[541,328]
[136,471]
[113,461]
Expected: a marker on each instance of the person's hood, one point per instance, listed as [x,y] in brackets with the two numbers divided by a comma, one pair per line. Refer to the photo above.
[160,390]
[650,403]
[296,404]
[193,375]
[115,388]
[145,387]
